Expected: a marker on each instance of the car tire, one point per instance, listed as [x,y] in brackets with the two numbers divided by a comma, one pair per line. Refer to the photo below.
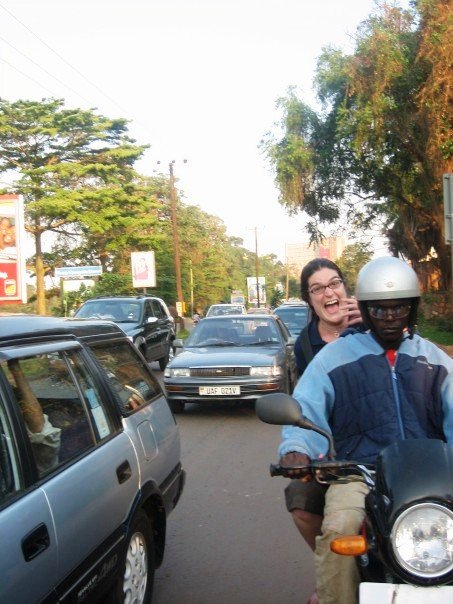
[135,583]
[177,406]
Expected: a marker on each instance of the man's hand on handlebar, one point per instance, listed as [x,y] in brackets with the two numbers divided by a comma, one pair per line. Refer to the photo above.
[297,459]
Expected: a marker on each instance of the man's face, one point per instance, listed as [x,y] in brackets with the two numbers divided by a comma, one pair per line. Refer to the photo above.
[389,319]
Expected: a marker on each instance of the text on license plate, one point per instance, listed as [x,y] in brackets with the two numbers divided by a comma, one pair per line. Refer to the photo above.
[219,390]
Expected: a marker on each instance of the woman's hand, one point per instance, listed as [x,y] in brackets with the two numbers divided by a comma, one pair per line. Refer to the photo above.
[351,311]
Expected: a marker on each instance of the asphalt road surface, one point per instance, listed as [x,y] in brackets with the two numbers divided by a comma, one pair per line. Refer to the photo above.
[230,539]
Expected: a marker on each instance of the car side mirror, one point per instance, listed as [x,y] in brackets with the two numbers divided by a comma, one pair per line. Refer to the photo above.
[151,320]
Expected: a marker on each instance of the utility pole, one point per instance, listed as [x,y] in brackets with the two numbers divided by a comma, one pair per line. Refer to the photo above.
[174,224]
[257,270]
[191,288]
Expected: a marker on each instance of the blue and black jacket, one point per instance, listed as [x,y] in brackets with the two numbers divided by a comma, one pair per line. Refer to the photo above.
[351,390]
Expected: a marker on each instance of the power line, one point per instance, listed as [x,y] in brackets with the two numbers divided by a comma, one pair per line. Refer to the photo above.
[62,59]
[40,67]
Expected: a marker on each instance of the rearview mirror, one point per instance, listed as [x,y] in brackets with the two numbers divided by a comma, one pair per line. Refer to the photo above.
[282,409]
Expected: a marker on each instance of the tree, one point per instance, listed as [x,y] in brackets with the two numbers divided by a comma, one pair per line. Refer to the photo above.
[378,147]
[74,168]
[352,259]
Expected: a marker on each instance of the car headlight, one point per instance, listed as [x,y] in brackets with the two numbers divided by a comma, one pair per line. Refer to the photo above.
[422,540]
[176,372]
[266,371]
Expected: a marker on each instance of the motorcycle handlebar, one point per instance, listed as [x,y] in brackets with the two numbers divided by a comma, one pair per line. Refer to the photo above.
[328,471]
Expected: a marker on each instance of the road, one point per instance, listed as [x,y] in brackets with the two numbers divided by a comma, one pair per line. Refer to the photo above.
[230,539]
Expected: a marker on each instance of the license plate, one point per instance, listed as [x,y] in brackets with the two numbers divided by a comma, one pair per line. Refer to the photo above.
[388,593]
[219,390]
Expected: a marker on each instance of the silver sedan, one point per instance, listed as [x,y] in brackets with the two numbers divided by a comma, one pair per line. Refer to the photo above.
[229,359]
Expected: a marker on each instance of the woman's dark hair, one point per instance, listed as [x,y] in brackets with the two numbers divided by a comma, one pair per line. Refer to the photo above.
[311,267]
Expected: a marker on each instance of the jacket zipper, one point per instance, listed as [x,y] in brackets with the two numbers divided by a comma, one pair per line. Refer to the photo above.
[397,399]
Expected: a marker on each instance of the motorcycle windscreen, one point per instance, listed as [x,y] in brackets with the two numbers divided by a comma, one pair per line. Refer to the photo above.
[415,469]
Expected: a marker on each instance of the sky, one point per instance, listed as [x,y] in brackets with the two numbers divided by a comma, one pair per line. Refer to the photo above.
[198,80]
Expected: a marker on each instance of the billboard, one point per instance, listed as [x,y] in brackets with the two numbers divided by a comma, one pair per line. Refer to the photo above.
[143,269]
[251,290]
[12,258]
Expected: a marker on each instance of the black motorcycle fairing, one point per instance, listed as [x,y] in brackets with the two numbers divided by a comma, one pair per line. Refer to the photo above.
[414,470]
[407,472]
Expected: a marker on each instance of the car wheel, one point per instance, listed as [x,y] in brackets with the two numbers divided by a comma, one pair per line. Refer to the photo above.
[177,406]
[135,583]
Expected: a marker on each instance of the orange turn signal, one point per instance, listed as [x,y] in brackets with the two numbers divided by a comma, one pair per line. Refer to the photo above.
[352,545]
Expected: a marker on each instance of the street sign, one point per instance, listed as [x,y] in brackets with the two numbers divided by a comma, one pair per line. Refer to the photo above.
[448,207]
[66,272]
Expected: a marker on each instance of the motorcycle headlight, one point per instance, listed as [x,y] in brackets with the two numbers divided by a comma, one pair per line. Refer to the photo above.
[422,540]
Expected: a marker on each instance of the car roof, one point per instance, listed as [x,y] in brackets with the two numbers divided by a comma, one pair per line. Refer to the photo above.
[260,316]
[22,327]
[122,298]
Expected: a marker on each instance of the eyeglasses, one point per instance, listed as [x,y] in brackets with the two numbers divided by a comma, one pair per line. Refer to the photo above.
[383,312]
[319,289]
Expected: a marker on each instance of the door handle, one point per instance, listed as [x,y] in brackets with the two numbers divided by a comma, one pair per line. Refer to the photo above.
[124,472]
[35,542]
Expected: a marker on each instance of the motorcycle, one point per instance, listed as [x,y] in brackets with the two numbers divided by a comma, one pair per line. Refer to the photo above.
[404,549]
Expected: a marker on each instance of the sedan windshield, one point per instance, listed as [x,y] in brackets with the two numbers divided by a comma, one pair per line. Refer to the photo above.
[234,332]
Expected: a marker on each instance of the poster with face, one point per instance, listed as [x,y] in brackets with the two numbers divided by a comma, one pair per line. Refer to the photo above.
[143,269]
[12,262]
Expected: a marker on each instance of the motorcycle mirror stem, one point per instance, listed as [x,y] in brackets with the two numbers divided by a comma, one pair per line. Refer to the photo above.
[282,409]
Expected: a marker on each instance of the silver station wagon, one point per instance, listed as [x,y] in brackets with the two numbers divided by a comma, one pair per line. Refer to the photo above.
[89,464]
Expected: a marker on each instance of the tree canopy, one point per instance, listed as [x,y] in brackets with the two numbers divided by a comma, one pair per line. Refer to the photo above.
[376,150]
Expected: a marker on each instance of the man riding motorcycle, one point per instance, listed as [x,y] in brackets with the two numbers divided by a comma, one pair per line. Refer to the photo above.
[369,390]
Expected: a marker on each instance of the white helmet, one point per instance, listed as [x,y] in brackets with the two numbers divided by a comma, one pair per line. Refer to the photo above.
[386,278]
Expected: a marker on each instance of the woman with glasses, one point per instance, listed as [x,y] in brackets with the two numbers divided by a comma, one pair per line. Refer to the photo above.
[332,311]
[369,390]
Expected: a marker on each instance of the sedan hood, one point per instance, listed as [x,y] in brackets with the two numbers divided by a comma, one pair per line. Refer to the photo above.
[256,356]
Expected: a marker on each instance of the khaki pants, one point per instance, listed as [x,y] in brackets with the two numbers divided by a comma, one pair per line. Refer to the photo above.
[337,577]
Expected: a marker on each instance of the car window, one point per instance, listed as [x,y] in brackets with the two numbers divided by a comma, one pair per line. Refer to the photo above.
[235,331]
[157,309]
[61,407]
[132,383]
[148,311]
[295,318]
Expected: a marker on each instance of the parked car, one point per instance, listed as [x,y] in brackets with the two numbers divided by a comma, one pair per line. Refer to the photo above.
[218,310]
[146,320]
[90,463]
[295,315]
[229,359]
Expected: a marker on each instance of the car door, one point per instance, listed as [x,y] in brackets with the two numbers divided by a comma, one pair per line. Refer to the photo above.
[152,332]
[95,470]
[29,553]
[164,327]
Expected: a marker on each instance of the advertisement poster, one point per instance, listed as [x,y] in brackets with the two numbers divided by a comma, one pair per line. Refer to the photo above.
[12,262]
[251,290]
[143,269]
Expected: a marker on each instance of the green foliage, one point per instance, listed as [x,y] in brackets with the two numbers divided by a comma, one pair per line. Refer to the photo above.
[377,150]
[276,298]
[351,261]
[74,170]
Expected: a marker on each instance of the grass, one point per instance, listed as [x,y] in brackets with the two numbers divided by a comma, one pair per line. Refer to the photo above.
[438,331]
